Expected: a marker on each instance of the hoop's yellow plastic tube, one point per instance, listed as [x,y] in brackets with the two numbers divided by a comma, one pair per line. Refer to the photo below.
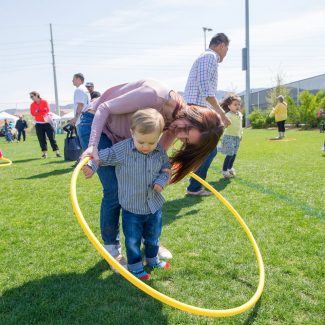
[149,290]
[8,162]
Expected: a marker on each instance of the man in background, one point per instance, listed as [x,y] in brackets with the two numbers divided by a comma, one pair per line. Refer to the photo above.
[21,126]
[81,98]
[200,90]
[93,94]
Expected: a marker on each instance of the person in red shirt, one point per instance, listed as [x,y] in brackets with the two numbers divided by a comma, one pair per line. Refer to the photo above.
[39,109]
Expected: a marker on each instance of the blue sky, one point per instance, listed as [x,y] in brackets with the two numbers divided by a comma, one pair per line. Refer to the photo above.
[113,42]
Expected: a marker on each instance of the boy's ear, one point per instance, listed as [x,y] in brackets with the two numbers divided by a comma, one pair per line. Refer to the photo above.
[131,132]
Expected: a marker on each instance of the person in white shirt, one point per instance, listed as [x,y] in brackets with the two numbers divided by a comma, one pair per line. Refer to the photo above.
[81,98]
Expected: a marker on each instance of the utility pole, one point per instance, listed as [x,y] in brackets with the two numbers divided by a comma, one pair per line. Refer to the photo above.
[206,29]
[246,65]
[54,76]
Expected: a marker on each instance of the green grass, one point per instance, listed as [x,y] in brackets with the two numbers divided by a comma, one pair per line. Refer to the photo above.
[51,274]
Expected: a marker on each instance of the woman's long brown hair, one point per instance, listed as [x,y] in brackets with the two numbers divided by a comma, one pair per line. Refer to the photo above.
[190,156]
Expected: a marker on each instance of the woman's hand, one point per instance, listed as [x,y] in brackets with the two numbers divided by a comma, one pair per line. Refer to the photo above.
[91,152]
[226,120]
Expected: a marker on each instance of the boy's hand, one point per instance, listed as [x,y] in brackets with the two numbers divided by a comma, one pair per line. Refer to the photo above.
[88,172]
[157,188]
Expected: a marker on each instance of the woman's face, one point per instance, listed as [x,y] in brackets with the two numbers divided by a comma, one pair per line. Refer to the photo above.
[185,131]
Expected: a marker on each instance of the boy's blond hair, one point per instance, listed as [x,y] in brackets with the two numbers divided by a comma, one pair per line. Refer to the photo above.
[147,121]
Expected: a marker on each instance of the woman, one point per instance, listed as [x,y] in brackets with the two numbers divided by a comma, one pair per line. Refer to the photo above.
[280,114]
[108,122]
[39,109]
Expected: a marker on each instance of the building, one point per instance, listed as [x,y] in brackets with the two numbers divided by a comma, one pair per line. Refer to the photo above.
[313,85]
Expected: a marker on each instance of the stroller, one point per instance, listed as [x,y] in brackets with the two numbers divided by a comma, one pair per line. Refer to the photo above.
[72,147]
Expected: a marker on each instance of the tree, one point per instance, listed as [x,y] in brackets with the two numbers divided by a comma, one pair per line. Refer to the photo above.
[307,109]
[293,112]
[274,92]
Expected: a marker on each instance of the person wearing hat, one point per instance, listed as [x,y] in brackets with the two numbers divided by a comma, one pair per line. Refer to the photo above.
[280,114]
[93,94]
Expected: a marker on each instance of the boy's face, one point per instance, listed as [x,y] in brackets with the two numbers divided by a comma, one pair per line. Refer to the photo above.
[145,143]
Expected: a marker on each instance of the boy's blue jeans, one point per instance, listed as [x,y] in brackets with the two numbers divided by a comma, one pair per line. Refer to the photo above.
[195,186]
[110,207]
[136,227]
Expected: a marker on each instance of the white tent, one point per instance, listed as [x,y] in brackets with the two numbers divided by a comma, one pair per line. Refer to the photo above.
[68,116]
[54,116]
[8,117]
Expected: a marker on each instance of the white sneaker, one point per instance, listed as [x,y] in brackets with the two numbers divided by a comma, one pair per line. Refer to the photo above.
[232,171]
[164,253]
[226,174]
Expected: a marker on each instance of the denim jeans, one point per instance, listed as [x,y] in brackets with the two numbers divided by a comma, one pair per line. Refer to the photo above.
[195,186]
[136,227]
[110,207]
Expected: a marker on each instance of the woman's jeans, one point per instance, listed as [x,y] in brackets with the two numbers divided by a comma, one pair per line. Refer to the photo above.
[136,227]
[110,207]
[195,186]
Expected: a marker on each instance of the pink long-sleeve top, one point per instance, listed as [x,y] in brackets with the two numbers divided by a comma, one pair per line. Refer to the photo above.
[117,104]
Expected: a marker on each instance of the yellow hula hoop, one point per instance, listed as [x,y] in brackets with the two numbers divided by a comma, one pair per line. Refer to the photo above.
[8,162]
[149,290]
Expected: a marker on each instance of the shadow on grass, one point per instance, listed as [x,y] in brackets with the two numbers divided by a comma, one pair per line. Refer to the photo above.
[172,208]
[253,314]
[287,199]
[51,173]
[59,162]
[25,160]
[221,184]
[75,298]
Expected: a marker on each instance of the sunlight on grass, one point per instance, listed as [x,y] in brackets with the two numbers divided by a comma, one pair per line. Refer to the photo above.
[51,274]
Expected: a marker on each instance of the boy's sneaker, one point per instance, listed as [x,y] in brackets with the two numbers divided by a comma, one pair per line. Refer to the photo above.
[58,155]
[164,253]
[232,171]
[44,155]
[161,265]
[226,174]
[142,275]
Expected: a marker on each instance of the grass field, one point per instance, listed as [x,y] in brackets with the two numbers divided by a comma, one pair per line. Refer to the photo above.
[51,274]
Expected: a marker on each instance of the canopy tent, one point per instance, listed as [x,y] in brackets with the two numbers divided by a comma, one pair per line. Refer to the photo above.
[68,116]
[8,117]
[54,116]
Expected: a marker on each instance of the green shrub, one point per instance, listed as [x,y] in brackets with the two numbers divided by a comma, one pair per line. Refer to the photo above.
[258,118]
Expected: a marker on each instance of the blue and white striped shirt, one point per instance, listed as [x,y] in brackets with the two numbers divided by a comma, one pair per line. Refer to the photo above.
[202,81]
[136,174]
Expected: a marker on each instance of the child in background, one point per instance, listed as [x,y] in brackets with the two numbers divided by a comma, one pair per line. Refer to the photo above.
[232,135]
[141,167]
[280,113]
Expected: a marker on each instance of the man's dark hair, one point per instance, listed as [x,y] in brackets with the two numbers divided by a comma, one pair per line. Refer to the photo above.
[219,38]
[79,76]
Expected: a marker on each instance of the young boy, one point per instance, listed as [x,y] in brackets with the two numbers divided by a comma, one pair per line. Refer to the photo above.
[141,167]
